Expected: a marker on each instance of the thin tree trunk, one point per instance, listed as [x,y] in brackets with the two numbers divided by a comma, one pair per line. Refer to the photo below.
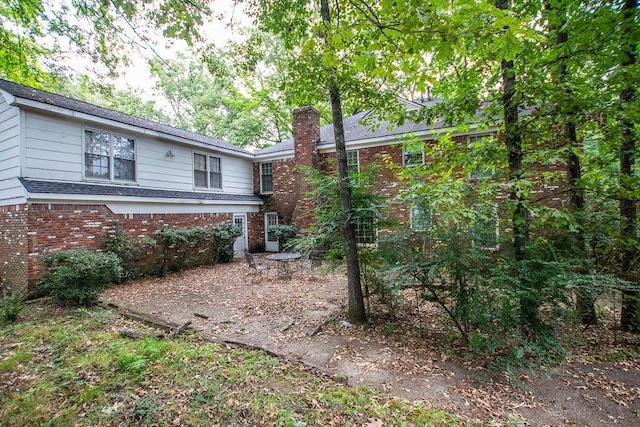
[630,315]
[529,317]
[356,308]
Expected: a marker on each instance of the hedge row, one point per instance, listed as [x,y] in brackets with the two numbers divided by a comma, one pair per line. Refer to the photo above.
[76,277]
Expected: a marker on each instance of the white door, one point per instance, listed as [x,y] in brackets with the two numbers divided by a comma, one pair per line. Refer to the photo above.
[271,243]
[241,242]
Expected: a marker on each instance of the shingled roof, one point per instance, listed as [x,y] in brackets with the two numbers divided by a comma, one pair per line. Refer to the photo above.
[73,188]
[355,130]
[25,92]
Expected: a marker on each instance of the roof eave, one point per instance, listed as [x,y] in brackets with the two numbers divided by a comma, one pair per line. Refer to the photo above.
[37,105]
[285,154]
[399,138]
[65,197]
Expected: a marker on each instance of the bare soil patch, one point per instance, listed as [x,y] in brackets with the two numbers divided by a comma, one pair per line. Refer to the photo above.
[302,318]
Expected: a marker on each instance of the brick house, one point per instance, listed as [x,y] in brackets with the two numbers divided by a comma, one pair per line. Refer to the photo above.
[282,187]
[71,171]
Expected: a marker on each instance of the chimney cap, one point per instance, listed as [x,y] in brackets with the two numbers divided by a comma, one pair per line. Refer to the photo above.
[304,109]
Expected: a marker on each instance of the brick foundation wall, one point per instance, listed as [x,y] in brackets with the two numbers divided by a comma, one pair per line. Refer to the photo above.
[13,249]
[54,227]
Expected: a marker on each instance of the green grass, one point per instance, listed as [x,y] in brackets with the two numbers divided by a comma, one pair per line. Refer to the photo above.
[71,367]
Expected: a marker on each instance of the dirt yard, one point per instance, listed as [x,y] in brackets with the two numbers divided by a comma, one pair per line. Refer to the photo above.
[302,318]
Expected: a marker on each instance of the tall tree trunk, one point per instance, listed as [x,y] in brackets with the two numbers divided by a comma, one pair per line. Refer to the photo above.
[529,316]
[585,300]
[630,315]
[356,309]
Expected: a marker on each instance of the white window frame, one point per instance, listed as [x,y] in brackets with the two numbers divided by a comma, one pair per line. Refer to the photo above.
[351,163]
[208,171]
[408,154]
[480,174]
[494,208]
[111,156]
[417,211]
[363,240]
[261,178]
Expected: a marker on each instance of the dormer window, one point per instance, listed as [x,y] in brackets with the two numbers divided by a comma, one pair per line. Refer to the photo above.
[109,157]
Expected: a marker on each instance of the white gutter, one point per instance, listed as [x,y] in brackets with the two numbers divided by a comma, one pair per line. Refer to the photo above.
[278,155]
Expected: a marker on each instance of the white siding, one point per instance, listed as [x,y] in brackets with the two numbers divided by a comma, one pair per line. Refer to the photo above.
[237,175]
[157,170]
[54,151]
[53,148]
[12,192]
[9,141]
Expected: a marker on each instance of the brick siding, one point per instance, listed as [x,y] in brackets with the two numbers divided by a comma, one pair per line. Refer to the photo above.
[14,257]
[33,231]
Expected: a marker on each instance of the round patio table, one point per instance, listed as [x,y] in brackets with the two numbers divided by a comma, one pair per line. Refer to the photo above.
[283,259]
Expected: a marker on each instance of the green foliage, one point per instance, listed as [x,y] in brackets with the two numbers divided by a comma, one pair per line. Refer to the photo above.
[105,32]
[177,244]
[74,356]
[205,98]
[76,277]
[186,247]
[368,207]
[132,253]
[10,306]
[223,236]
[284,233]
[477,290]
[130,101]
[175,249]
[19,50]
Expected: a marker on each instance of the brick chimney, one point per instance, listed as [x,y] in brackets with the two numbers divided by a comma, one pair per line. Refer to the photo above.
[306,134]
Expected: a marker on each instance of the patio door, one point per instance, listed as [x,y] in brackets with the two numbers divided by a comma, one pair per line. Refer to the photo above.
[270,240]
[241,242]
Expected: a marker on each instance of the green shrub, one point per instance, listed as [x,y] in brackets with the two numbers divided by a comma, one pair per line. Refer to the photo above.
[284,233]
[76,277]
[181,246]
[190,247]
[10,306]
[131,253]
[223,236]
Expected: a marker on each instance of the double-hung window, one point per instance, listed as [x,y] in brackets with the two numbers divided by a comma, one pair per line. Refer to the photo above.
[366,232]
[420,218]
[484,229]
[412,156]
[353,161]
[108,156]
[266,177]
[207,171]
[476,143]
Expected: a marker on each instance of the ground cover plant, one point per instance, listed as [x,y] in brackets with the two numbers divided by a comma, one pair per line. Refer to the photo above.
[62,366]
